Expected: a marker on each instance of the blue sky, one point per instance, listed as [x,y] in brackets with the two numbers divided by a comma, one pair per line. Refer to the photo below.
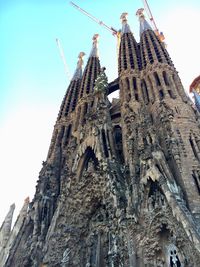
[32,77]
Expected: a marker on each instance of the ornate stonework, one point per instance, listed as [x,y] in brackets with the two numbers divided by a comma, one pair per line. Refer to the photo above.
[121,183]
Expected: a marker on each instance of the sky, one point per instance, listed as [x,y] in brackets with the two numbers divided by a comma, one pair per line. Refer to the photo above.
[33,79]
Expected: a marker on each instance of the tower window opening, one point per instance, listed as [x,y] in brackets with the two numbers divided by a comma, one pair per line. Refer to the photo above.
[118,143]
[170,93]
[145,91]
[149,50]
[67,134]
[68,102]
[135,89]
[161,94]
[134,84]
[196,180]
[105,147]
[191,140]
[131,54]
[124,52]
[151,87]
[156,49]
[165,77]
[127,84]
[75,96]
[158,83]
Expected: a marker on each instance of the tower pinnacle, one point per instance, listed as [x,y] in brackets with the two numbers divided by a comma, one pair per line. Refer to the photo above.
[95,51]
[144,25]
[125,26]
[78,71]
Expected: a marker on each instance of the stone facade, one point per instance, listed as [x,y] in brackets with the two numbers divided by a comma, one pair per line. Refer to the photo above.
[121,183]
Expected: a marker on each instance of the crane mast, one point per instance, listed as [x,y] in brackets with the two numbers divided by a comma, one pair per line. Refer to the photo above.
[61,51]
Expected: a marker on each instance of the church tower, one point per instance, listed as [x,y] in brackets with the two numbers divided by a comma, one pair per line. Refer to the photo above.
[121,182]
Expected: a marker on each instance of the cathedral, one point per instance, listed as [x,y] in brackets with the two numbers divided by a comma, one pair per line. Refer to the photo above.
[121,183]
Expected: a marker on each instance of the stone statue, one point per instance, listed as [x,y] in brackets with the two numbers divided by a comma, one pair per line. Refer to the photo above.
[66,259]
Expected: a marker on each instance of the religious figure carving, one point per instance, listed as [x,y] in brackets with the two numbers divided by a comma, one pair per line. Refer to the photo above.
[66,258]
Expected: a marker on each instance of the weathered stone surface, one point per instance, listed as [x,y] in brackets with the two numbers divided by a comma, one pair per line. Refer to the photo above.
[121,183]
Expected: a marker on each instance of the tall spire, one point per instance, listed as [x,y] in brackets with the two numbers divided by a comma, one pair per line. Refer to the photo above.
[6,227]
[71,96]
[95,51]
[144,25]
[129,57]
[78,71]
[125,26]
[91,70]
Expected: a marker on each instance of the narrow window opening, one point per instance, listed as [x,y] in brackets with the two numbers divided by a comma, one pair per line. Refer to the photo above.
[118,143]
[124,52]
[134,83]
[165,77]
[68,135]
[151,87]
[193,147]
[127,84]
[157,79]
[161,94]
[145,91]
[197,181]
[105,147]
[170,93]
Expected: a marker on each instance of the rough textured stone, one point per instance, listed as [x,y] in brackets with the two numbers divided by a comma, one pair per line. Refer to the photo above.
[121,183]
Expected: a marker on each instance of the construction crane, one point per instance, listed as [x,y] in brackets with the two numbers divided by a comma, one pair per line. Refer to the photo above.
[62,54]
[101,23]
[149,13]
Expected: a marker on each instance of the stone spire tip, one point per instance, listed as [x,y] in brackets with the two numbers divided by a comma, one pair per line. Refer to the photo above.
[78,71]
[95,52]
[125,26]
[144,25]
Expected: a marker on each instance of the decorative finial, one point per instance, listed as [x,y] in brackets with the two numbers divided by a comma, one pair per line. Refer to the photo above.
[78,71]
[95,52]
[144,25]
[125,26]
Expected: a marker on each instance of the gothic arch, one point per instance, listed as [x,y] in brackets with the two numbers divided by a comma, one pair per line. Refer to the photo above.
[88,155]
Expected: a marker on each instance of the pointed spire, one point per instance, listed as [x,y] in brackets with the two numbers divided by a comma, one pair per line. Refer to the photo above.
[144,25]
[125,26]
[95,51]
[78,71]
[6,227]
